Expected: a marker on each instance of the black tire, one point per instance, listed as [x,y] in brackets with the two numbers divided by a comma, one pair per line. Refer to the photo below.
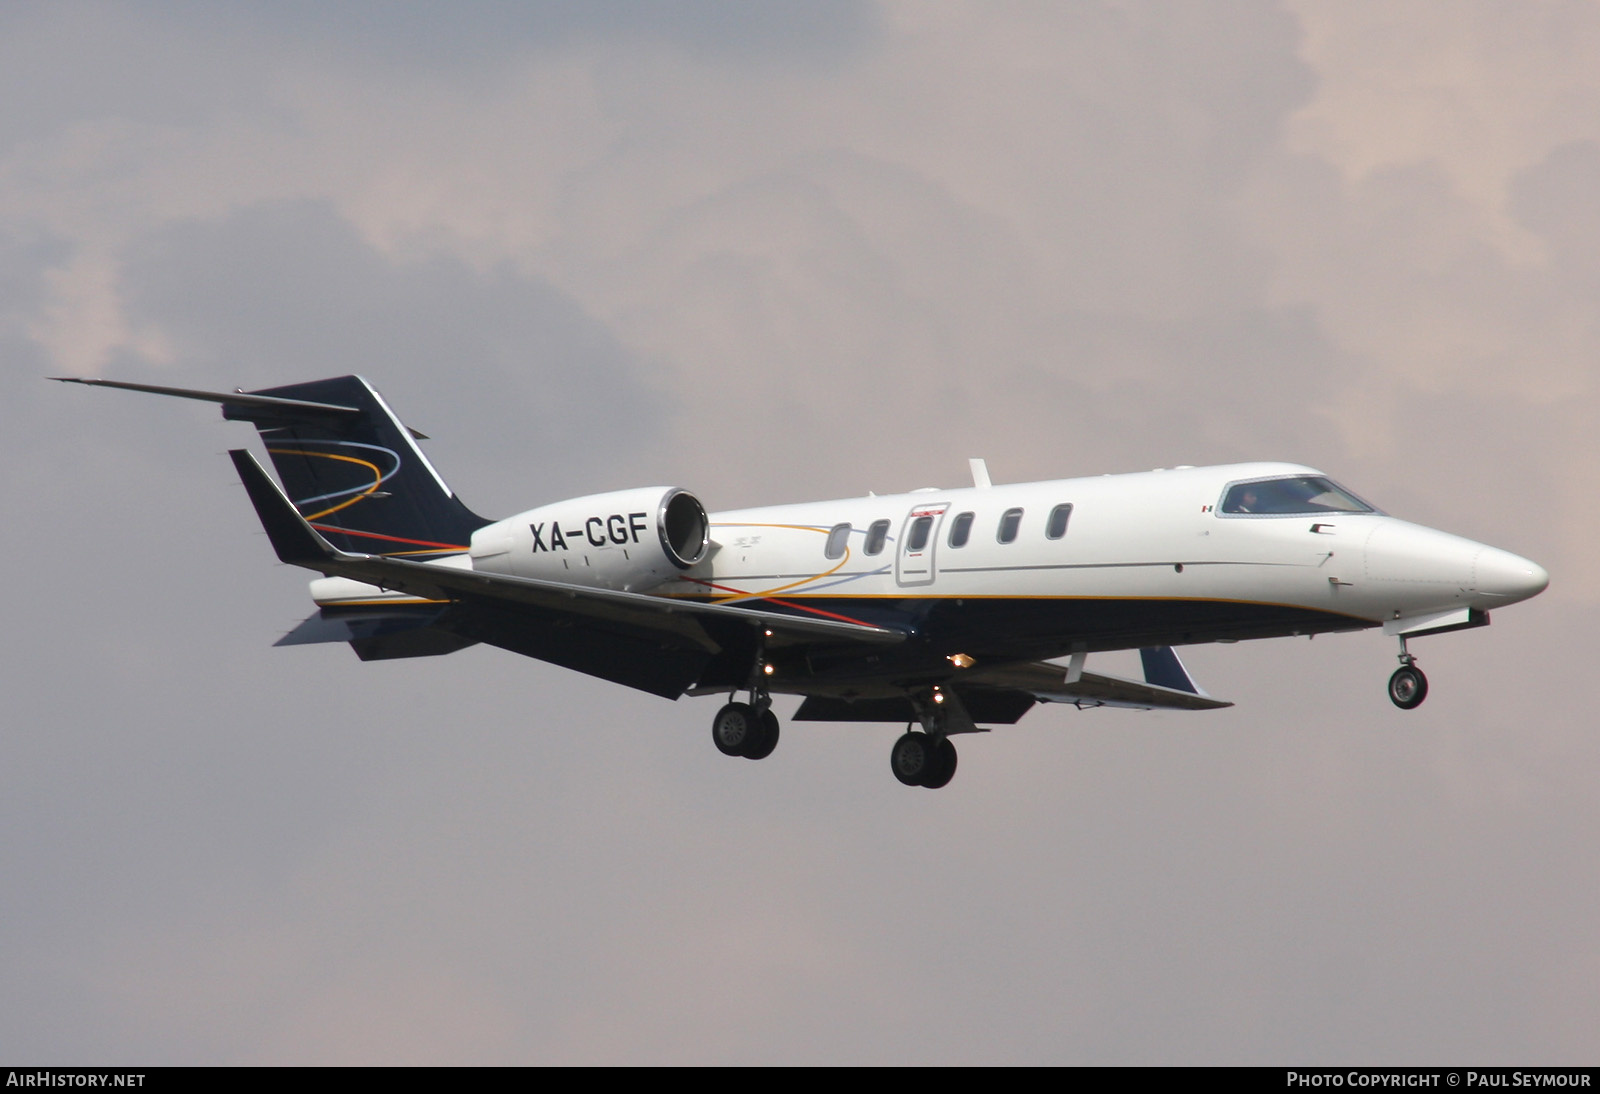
[765,739]
[1408,687]
[734,729]
[943,768]
[912,757]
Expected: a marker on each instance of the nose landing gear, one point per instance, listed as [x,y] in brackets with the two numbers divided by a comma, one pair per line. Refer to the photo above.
[1408,686]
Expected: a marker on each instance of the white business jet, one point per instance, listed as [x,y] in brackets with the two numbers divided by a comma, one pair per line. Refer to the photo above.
[942,610]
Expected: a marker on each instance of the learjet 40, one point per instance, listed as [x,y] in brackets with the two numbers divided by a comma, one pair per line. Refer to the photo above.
[940,610]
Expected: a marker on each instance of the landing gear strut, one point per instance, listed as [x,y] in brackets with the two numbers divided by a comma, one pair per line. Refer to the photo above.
[1407,687]
[748,729]
[928,758]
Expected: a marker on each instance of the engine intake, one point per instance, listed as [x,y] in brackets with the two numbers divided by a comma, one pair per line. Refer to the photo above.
[685,529]
[632,540]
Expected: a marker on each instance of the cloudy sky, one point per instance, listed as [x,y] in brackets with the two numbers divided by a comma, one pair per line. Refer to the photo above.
[776,253]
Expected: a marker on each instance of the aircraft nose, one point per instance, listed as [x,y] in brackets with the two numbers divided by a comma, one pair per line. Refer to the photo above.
[1434,564]
[1507,577]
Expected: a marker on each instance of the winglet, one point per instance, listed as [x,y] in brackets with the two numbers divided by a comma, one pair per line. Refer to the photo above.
[1163,669]
[296,542]
[980,473]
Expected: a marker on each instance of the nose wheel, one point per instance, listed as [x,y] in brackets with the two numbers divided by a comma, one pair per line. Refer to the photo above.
[1408,686]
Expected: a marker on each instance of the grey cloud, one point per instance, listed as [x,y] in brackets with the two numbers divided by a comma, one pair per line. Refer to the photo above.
[187,62]
[435,36]
[69,63]
[24,257]
[1556,198]
[505,370]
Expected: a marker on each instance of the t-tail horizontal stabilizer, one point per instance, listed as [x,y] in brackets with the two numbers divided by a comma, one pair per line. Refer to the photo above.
[238,404]
[351,468]
[381,634]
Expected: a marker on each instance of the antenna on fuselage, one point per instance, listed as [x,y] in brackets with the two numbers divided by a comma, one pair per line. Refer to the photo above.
[980,473]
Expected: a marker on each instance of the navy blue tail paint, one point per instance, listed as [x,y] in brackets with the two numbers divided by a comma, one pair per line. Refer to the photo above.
[359,479]
[1163,669]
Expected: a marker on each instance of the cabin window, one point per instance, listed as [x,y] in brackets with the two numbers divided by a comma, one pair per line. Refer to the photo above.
[838,540]
[918,537]
[960,529]
[1056,526]
[1290,496]
[1009,523]
[875,537]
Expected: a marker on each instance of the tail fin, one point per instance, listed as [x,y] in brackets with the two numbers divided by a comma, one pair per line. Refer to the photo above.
[355,473]
[357,478]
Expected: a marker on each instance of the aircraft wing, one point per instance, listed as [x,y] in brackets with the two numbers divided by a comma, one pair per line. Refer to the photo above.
[1002,694]
[1052,683]
[593,630]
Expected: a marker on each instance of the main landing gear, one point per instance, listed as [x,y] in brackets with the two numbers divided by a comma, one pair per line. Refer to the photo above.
[749,729]
[917,759]
[1407,687]
[928,758]
[922,759]
[746,729]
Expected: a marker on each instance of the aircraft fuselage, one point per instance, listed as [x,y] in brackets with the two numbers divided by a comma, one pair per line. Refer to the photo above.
[1141,559]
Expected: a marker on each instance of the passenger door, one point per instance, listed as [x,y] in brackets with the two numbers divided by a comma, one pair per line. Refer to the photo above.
[919,536]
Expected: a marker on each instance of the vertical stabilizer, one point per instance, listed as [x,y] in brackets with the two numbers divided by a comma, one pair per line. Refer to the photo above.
[358,479]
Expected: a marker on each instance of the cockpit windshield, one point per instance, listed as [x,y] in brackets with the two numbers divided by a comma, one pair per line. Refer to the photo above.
[1289,496]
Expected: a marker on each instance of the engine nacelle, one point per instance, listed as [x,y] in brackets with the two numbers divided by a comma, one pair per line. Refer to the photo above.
[631,540]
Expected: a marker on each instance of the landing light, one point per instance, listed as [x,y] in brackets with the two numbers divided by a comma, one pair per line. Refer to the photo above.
[961,660]
[767,669]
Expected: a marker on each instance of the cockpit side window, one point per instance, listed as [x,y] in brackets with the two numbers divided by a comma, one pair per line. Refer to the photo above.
[1292,495]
